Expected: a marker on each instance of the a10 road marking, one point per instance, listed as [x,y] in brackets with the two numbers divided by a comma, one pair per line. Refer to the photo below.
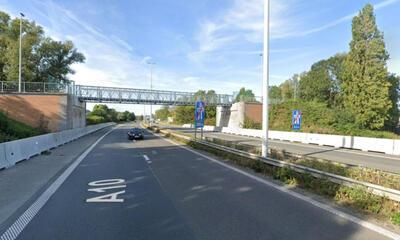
[102,186]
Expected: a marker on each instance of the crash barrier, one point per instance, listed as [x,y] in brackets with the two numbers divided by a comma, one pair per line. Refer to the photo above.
[23,149]
[388,146]
[205,128]
[389,193]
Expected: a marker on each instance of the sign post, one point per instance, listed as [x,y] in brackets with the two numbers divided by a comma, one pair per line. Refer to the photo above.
[199,115]
[296,119]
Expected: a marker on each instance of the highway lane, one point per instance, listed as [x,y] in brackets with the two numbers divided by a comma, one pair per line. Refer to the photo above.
[155,189]
[385,162]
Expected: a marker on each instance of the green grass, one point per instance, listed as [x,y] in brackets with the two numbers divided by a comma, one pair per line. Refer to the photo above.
[396,218]
[12,130]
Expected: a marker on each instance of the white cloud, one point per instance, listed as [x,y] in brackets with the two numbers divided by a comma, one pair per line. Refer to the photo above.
[110,61]
[244,21]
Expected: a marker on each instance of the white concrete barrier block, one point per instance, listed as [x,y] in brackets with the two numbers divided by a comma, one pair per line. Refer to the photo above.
[396,147]
[374,144]
[3,162]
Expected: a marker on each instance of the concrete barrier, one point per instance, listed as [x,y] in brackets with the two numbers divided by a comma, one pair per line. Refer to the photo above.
[205,128]
[3,162]
[388,146]
[19,150]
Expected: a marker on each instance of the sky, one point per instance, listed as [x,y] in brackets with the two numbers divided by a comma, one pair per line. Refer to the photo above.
[201,44]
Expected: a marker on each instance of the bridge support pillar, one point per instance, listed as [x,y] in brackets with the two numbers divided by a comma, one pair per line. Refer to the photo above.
[48,112]
[222,116]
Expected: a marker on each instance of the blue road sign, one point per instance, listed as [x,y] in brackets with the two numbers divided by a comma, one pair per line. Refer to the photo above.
[199,114]
[296,119]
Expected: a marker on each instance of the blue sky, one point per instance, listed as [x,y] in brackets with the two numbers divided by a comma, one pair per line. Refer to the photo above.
[202,44]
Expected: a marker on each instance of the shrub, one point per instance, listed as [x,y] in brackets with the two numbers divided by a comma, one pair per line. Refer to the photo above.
[318,118]
[94,119]
[360,198]
[11,129]
[396,218]
[248,123]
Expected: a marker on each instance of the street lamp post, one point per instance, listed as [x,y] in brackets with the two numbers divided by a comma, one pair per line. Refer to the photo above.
[20,53]
[151,88]
[265,79]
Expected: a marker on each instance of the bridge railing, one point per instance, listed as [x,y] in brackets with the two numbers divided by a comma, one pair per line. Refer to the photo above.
[131,95]
[35,87]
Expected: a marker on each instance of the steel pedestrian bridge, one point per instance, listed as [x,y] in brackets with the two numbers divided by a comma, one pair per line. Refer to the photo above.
[117,95]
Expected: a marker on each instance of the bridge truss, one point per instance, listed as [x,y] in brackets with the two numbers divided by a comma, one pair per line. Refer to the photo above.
[117,95]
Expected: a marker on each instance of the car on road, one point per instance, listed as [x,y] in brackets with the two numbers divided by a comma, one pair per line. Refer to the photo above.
[135,133]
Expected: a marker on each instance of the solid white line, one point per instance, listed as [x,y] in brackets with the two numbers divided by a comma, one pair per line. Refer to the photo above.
[325,207]
[18,226]
[146,157]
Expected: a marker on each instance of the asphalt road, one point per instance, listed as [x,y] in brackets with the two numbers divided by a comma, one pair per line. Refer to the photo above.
[385,162]
[153,189]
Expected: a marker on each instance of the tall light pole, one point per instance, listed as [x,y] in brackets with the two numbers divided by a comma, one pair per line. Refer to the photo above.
[20,53]
[265,79]
[151,88]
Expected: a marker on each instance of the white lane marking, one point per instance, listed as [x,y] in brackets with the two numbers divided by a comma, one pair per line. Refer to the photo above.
[154,152]
[18,226]
[325,207]
[146,157]
[149,161]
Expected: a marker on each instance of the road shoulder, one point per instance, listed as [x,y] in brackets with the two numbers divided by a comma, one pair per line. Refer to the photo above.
[24,182]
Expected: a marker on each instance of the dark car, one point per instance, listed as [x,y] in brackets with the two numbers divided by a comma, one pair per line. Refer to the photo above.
[135,133]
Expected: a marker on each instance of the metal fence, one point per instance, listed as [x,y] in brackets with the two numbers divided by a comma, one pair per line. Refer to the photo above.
[35,87]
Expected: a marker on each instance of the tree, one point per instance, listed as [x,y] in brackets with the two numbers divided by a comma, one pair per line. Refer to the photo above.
[275,93]
[245,95]
[130,116]
[121,116]
[184,114]
[316,84]
[54,58]
[100,110]
[163,113]
[290,88]
[44,60]
[200,95]
[365,83]
[394,112]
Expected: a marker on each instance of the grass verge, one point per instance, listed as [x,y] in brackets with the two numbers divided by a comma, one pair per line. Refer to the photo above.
[12,130]
[374,176]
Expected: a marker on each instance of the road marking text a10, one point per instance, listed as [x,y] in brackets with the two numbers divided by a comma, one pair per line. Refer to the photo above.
[102,186]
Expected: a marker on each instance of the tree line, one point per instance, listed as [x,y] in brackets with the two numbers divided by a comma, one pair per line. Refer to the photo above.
[101,113]
[43,59]
[355,84]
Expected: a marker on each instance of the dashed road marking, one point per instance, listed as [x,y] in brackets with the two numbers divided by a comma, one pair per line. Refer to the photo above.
[146,157]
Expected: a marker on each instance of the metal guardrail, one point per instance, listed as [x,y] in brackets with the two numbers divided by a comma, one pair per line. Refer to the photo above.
[392,194]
